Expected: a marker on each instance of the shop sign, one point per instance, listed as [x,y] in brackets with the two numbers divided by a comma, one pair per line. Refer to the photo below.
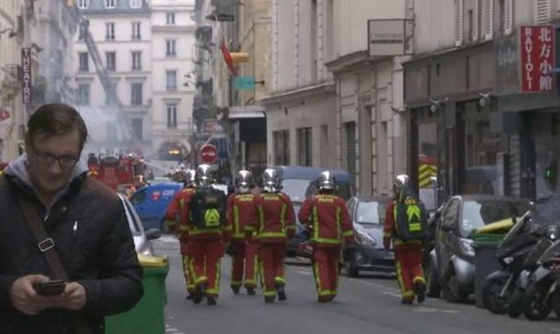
[27,85]
[537,58]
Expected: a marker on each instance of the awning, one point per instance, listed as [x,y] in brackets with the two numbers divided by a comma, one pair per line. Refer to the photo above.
[242,112]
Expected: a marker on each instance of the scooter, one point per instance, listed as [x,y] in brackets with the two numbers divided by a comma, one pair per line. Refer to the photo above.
[537,301]
[515,306]
[511,254]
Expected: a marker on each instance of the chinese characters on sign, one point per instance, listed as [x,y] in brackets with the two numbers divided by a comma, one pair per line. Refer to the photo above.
[537,58]
[26,77]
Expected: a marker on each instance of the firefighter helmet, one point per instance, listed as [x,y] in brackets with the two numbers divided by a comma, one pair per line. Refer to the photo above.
[327,181]
[203,175]
[190,178]
[243,181]
[272,182]
[401,183]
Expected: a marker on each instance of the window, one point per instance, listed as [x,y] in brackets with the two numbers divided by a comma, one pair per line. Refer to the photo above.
[110,3]
[83,58]
[110,31]
[136,31]
[136,60]
[83,94]
[172,116]
[282,147]
[171,79]
[111,58]
[170,48]
[351,154]
[136,94]
[135,3]
[170,18]
[304,146]
[137,128]
[83,4]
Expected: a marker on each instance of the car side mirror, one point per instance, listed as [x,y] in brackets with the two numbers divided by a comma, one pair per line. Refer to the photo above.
[153,234]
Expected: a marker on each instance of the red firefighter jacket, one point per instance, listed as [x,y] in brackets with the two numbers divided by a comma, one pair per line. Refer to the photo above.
[327,218]
[275,218]
[389,230]
[175,209]
[241,213]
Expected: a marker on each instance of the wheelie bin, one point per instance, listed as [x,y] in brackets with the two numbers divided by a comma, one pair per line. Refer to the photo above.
[485,262]
[147,317]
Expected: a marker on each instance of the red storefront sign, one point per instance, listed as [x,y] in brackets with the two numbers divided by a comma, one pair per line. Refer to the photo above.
[537,58]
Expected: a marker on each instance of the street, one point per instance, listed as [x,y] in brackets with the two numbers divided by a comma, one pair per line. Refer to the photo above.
[369,304]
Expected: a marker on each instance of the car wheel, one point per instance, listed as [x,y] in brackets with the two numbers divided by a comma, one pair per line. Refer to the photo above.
[452,291]
[434,289]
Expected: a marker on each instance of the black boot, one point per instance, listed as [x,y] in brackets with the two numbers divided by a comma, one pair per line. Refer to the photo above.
[269,299]
[407,301]
[211,301]
[420,291]
[199,294]
[251,292]
[281,293]
[235,290]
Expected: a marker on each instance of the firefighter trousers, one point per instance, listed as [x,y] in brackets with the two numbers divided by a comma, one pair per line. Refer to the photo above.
[205,264]
[272,258]
[325,270]
[244,263]
[186,269]
[408,265]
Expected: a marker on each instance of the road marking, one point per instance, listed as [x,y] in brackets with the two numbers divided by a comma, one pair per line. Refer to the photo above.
[304,272]
[557,330]
[423,309]
[171,330]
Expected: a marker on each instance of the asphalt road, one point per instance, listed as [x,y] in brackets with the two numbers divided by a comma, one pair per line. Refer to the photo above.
[369,304]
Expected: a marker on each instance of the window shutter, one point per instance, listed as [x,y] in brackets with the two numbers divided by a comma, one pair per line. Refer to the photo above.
[508,22]
[488,19]
[542,11]
[476,20]
[458,22]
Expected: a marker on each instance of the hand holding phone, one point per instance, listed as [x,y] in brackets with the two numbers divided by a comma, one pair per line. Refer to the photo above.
[50,288]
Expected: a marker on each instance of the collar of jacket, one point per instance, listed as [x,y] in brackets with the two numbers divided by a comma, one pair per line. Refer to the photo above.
[16,174]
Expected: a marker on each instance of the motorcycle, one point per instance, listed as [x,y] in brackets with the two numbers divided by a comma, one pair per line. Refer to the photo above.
[538,299]
[515,305]
[511,254]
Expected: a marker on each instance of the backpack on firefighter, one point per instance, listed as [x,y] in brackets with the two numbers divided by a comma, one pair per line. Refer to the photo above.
[410,217]
[208,208]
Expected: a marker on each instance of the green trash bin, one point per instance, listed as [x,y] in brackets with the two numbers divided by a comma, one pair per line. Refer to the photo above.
[148,315]
[485,262]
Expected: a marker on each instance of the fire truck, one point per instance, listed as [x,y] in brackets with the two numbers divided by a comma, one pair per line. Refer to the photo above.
[123,174]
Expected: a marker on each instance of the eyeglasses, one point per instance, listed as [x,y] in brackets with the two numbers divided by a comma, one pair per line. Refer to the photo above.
[48,159]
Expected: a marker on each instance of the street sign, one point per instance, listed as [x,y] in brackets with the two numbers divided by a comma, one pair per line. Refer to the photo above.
[537,58]
[244,83]
[4,114]
[390,37]
[27,85]
[208,154]
[211,126]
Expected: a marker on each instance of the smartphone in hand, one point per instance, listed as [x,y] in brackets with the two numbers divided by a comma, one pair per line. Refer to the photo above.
[50,288]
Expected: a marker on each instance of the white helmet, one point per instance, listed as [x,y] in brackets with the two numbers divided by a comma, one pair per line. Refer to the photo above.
[243,181]
[327,181]
[203,175]
[271,180]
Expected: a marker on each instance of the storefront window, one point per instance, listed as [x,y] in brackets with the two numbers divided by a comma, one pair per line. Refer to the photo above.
[427,159]
[483,174]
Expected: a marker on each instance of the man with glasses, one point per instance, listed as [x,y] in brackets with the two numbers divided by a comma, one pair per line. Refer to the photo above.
[86,226]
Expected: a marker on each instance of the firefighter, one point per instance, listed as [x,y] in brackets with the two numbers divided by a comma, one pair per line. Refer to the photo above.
[208,230]
[274,226]
[177,208]
[404,223]
[326,217]
[241,212]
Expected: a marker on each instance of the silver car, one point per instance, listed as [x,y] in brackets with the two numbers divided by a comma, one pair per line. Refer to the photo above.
[142,240]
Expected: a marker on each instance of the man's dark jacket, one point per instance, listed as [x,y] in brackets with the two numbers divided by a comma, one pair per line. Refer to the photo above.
[93,239]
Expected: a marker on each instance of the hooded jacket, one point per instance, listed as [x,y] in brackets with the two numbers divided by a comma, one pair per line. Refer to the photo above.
[89,227]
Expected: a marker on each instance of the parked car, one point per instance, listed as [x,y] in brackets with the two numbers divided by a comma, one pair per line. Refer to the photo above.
[344,184]
[368,253]
[142,239]
[453,256]
[151,201]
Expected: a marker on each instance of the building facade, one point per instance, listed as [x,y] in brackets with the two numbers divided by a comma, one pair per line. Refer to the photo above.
[172,36]
[469,112]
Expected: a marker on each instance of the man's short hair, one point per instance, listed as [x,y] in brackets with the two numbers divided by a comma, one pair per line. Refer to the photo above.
[56,119]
